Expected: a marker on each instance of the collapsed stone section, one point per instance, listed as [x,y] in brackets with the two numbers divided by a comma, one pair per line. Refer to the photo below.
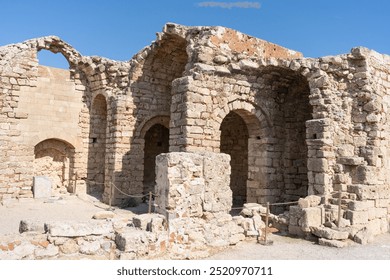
[193,195]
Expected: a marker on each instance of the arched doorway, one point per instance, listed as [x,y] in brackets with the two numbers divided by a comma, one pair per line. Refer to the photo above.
[156,142]
[97,146]
[234,142]
[55,159]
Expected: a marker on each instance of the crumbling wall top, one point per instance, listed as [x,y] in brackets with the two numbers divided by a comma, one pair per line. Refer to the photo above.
[233,41]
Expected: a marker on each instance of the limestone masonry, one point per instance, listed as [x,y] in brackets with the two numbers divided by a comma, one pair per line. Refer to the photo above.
[205,118]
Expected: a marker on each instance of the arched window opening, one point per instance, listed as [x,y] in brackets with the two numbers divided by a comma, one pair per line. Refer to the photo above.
[55,60]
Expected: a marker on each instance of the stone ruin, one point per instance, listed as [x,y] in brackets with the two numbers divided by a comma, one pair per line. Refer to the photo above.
[206,118]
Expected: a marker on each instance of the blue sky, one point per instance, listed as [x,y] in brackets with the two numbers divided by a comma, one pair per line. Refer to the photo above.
[118,29]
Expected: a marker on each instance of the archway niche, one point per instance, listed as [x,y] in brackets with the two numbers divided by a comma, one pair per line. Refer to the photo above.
[238,130]
[287,153]
[55,159]
[156,142]
[97,146]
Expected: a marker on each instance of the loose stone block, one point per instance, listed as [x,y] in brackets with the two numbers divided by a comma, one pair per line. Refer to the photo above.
[312,217]
[364,236]
[42,187]
[103,215]
[328,233]
[332,243]
[27,225]
[75,229]
[133,240]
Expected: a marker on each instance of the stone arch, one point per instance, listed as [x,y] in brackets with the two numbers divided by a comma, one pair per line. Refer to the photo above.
[54,158]
[147,124]
[243,136]
[234,142]
[50,59]
[97,146]
[57,45]
[287,156]
[155,134]
[256,119]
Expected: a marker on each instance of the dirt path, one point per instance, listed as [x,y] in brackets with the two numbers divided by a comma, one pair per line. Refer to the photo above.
[287,248]
[66,208]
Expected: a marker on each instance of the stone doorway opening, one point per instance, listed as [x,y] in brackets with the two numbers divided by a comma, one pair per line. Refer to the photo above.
[234,142]
[97,146]
[156,142]
[55,159]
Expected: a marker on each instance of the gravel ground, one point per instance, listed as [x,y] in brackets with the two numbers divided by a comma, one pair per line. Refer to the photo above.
[283,248]
[66,208]
[288,248]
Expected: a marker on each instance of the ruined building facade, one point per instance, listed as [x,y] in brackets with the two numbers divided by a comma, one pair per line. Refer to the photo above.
[293,126]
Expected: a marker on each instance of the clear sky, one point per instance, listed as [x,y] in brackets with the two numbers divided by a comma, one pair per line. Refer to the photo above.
[118,29]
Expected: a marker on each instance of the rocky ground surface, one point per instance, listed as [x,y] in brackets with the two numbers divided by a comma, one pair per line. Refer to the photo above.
[288,248]
[283,247]
[64,208]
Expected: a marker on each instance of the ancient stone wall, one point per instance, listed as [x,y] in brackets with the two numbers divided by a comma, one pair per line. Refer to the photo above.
[55,160]
[97,145]
[306,126]
[40,103]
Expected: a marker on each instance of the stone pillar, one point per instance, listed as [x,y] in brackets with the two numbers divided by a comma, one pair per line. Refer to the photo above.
[320,152]
[193,185]
[193,126]
[119,171]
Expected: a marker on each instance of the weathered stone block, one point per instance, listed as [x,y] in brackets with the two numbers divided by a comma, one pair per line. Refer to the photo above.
[49,251]
[150,222]
[89,248]
[317,164]
[133,240]
[27,225]
[351,160]
[296,230]
[74,229]
[42,187]
[357,217]
[309,201]
[364,236]
[328,233]
[103,215]
[312,217]
[361,205]
[332,243]
[70,246]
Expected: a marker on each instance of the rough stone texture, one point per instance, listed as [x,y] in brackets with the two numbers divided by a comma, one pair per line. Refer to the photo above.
[133,240]
[41,187]
[293,126]
[327,233]
[74,229]
[364,236]
[26,225]
[195,199]
[332,243]
[193,185]
[103,215]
